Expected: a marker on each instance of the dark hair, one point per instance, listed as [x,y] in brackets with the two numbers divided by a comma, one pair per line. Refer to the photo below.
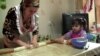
[34,4]
[28,2]
[21,6]
[80,21]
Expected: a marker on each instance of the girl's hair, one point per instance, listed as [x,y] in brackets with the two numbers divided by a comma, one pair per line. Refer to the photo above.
[80,21]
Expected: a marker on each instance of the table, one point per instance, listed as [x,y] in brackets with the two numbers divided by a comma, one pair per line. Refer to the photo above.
[56,50]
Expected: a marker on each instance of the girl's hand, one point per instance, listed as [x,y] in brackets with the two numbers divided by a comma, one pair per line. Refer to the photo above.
[69,42]
[49,41]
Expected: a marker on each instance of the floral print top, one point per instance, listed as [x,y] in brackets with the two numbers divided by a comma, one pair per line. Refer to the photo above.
[13,25]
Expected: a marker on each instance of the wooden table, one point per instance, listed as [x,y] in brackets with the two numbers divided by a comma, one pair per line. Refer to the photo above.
[54,50]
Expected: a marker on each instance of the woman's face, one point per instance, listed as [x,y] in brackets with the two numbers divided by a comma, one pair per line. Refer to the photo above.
[76,28]
[29,11]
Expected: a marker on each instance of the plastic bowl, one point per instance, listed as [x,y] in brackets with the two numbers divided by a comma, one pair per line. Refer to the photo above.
[79,42]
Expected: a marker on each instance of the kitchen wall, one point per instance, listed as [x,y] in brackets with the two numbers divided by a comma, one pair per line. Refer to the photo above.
[51,15]
[9,3]
[98,11]
[91,13]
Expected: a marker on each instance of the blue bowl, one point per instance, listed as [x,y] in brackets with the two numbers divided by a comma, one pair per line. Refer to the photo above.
[79,42]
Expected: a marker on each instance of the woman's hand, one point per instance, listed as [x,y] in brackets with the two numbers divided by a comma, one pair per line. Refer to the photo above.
[21,43]
[35,45]
[34,41]
[28,46]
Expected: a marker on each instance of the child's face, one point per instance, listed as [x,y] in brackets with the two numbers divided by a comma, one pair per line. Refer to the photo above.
[76,28]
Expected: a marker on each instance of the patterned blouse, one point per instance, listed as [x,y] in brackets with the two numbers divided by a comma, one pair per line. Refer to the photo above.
[13,24]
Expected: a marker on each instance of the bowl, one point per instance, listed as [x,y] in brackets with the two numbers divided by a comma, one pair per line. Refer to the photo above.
[79,42]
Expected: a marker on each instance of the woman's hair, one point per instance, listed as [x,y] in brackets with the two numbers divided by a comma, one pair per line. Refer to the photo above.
[27,3]
[80,21]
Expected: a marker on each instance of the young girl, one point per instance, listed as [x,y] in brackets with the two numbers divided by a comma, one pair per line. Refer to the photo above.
[77,31]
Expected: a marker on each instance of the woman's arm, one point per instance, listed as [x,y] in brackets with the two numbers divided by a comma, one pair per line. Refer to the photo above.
[10,30]
[6,42]
[19,42]
[34,34]
[34,40]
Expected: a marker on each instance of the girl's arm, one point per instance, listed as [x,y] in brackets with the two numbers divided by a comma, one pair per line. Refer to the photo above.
[65,39]
[59,40]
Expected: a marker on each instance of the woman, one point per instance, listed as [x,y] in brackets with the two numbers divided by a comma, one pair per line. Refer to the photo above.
[20,26]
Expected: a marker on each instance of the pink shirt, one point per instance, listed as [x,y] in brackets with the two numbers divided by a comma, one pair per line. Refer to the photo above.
[71,34]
